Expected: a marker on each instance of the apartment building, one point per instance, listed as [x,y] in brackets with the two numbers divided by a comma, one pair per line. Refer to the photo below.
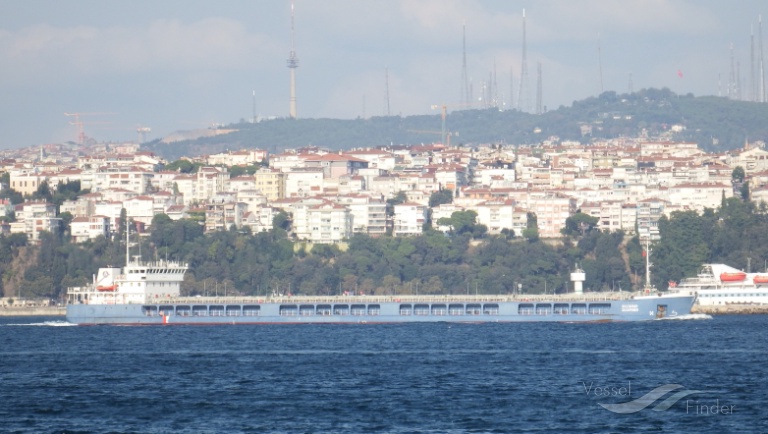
[270,182]
[89,228]
[122,177]
[409,219]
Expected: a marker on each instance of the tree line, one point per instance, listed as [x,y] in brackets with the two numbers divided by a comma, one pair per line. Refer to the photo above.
[715,123]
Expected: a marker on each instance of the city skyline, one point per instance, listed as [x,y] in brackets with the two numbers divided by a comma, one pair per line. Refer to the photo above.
[188,65]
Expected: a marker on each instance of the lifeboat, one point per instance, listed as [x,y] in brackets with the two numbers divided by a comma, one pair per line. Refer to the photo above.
[760,278]
[737,276]
[106,288]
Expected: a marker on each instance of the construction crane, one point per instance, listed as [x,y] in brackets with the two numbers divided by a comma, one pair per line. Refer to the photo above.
[444,112]
[78,123]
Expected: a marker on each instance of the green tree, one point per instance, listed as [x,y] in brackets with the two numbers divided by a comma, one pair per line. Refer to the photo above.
[183,166]
[738,174]
[579,224]
[399,198]
[531,231]
[460,221]
[440,197]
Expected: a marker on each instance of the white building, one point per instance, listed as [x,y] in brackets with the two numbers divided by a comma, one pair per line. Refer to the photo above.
[409,219]
[89,228]
[303,182]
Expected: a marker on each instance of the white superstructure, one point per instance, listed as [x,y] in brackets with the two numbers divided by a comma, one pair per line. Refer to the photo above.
[720,284]
[135,283]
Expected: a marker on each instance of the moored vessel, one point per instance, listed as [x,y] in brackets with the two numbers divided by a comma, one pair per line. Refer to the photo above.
[720,284]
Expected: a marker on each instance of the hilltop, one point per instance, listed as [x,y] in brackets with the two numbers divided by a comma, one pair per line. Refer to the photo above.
[715,123]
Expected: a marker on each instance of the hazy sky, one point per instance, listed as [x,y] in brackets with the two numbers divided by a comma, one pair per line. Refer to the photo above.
[185,64]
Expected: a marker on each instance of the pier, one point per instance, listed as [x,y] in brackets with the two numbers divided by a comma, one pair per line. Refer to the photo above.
[732,309]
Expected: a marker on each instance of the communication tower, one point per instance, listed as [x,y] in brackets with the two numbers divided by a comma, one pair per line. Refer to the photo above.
[523,102]
[293,63]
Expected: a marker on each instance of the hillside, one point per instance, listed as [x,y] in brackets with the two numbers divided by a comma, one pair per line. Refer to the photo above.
[716,124]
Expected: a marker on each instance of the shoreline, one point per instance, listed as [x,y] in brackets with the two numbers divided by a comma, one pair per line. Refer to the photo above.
[33,311]
[730,309]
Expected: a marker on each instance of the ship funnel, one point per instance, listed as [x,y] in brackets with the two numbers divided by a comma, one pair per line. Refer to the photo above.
[578,277]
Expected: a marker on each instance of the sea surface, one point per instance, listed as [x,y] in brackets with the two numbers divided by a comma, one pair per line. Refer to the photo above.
[703,375]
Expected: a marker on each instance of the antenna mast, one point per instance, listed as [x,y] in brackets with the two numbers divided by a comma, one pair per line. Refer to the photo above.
[293,63]
[648,264]
[386,87]
[761,72]
[127,242]
[752,82]
[465,99]
[600,61]
[254,106]
[538,89]
[522,96]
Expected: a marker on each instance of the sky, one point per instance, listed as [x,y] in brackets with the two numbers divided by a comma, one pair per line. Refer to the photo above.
[188,64]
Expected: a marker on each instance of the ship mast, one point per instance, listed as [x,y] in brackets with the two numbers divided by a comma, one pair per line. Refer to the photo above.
[127,243]
[648,264]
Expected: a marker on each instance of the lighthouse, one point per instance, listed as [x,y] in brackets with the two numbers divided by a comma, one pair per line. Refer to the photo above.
[578,277]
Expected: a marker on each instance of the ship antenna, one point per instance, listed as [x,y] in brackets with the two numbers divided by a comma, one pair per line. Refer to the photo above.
[648,264]
[127,243]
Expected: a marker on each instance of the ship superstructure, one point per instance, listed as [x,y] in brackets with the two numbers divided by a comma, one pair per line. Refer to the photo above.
[720,284]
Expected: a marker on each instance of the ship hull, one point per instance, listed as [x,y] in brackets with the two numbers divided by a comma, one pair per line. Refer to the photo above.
[372,310]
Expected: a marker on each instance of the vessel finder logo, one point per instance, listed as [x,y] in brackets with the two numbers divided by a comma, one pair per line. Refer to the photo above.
[655,398]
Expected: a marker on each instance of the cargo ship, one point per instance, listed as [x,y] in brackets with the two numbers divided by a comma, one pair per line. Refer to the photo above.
[150,293]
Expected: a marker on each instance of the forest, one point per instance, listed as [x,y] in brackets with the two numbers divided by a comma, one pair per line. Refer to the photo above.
[469,260]
[716,124]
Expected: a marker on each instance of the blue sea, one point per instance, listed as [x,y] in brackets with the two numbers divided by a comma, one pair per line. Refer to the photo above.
[691,376]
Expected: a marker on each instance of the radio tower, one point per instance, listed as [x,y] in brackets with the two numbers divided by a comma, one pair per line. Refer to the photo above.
[465,99]
[386,88]
[752,83]
[760,66]
[600,62]
[522,96]
[732,78]
[539,107]
[293,63]
[511,88]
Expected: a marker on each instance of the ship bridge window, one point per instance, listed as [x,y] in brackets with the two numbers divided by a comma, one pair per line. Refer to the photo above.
[251,310]
[439,309]
[599,308]
[474,309]
[421,309]
[216,310]
[525,309]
